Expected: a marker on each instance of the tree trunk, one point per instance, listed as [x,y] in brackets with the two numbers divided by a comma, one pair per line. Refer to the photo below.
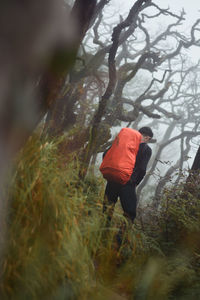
[194,172]
[89,150]
[21,106]
[61,108]
[196,162]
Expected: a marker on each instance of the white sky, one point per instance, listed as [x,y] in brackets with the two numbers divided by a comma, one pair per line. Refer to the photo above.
[191,7]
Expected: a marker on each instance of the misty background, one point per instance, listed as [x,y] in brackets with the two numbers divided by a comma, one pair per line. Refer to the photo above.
[171,153]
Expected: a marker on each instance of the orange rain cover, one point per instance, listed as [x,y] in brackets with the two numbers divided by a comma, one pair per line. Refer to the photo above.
[119,161]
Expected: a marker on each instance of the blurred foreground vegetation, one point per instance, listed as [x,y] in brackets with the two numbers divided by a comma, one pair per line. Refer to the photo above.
[59,247]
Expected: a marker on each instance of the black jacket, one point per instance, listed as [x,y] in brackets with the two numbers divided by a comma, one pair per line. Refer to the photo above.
[142,159]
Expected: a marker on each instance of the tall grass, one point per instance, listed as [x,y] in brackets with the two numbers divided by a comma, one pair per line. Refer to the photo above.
[59,247]
[46,243]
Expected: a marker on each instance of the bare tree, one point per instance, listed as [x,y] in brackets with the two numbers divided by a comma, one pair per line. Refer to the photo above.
[184,101]
[132,51]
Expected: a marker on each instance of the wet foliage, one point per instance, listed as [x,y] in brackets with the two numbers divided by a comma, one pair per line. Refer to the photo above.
[59,246]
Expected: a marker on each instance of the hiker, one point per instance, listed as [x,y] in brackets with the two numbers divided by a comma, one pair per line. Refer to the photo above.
[126,191]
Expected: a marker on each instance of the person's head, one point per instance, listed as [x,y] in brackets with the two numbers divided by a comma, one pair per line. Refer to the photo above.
[146,133]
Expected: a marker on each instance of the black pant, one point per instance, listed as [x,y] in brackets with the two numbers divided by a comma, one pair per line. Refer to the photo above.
[127,196]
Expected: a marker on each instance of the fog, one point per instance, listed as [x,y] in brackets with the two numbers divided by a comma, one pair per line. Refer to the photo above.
[171,153]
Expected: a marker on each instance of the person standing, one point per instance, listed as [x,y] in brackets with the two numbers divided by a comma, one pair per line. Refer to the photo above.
[127,192]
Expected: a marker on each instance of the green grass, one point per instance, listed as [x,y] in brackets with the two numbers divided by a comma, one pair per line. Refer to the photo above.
[59,247]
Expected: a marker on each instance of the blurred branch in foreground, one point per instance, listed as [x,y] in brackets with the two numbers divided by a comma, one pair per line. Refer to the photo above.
[39,42]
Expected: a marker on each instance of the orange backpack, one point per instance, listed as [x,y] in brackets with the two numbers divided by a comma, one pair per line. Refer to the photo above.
[119,161]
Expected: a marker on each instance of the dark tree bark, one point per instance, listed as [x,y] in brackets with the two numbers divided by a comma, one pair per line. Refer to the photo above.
[196,162]
[54,79]
[131,19]
[193,173]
